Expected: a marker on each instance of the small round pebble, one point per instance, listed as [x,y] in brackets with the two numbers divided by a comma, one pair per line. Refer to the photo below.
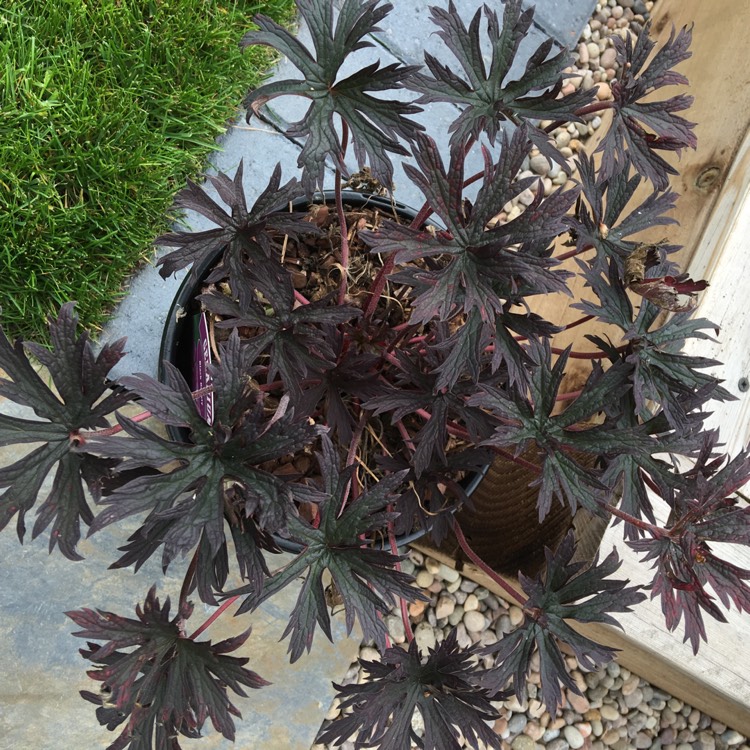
[573,737]
[474,621]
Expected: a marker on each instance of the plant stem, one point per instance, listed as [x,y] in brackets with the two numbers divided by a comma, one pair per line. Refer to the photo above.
[656,531]
[106,431]
[588,355]
[379,283]
[402,603]
[342,219]
[573,253]
[482,565]
[589,109]
[568,396]
[351,455]
[224,605]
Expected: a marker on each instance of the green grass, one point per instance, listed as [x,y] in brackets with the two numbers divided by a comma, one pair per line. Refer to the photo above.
[106,107]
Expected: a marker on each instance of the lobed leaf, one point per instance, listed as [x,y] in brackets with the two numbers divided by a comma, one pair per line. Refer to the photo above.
[77,401]
[168,685]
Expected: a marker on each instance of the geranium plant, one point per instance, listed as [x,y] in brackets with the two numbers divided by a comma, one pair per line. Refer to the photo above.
[367,366]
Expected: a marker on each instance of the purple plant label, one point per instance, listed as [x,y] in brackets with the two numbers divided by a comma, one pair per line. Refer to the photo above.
[201,361]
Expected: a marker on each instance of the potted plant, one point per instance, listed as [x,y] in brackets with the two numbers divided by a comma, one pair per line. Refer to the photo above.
[369,362]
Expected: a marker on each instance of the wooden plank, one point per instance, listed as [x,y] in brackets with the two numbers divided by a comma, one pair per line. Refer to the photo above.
[720,83]
[722,256]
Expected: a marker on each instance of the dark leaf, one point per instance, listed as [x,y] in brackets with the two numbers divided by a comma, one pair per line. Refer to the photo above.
[565,440]
[242,230]
[642,128]
[580,591]
[168,684]
[375,123]
[217,470]
[480,268]
[78,403]
[444,686]
[603,224]
[488,97]
[366,578]
[705,510]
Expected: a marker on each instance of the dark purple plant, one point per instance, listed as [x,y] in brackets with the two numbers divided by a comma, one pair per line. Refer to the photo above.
[348,412]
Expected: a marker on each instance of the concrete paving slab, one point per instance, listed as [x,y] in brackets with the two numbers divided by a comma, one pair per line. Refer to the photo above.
[563,19]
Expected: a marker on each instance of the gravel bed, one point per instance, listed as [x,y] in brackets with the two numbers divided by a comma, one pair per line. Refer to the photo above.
[617,711]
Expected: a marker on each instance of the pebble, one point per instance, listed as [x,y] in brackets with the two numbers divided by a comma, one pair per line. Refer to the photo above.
[523,742]
[609,712]
[539,164]
[516,615]
[517,723]
[445,607]
[424,579]
[474,621]
[573,737]
[448,574]
[608,57]
[424,635]
[579,703]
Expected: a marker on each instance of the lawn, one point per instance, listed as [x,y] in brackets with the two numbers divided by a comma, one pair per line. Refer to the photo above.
[106,107]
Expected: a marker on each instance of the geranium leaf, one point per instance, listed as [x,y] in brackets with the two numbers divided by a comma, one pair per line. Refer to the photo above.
[375,123]
[640,75]
[581,591]
[76,401]
[366,578]
[489,96]
[168,685]
[444,686]
[217,469]
[242,230]
[705,510]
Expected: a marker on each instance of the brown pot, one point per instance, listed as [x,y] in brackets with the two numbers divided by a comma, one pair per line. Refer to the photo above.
[503,527]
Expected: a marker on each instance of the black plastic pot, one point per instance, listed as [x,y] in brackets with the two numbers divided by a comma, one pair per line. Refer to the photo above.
[178,337]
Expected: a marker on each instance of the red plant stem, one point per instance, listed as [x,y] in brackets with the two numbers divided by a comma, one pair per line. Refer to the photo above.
[588,355]
[573,253]
[580,321]
[301,298]
[568,396]
[516,459]
[351,455]
[405,435]
[378,285]
[656,531]
[482,565]
[460,432]
[402,602]
[589,109]
[225,605]
[106,431]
